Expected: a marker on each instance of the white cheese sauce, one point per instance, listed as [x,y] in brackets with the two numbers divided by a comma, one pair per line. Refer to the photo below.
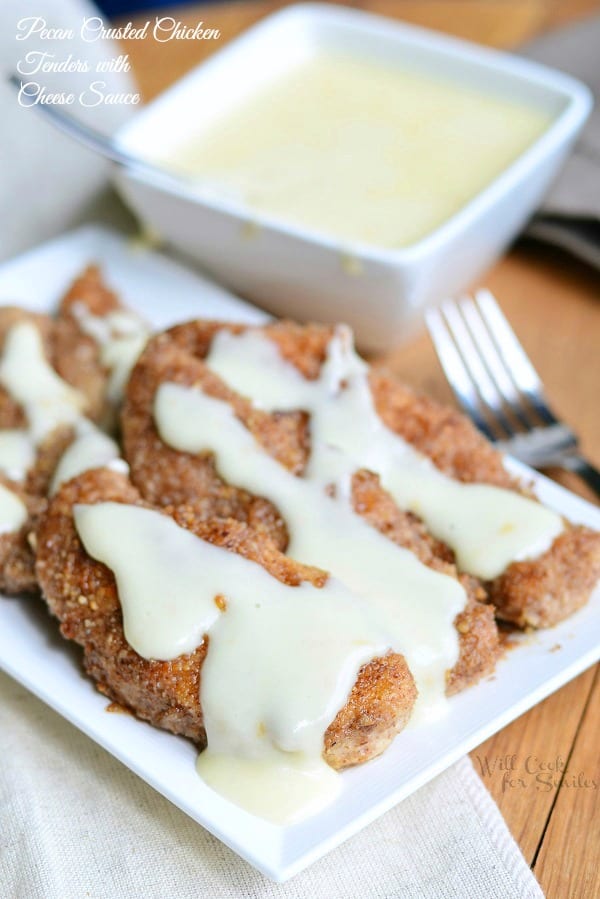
[48,403]
[90,449]
[26,374]
[121,336]
[17,453]
[13,511]
[487,527]
[357,149]
[281,787]
[418,604]
[281,660]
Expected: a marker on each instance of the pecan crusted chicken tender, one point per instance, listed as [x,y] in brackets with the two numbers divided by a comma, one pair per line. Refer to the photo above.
[76,358]
[536,593]
[77,355]
[16,551]
[82,594]
[17,559]
[166,476]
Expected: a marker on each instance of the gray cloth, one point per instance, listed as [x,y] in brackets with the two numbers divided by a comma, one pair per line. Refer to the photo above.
[570,214]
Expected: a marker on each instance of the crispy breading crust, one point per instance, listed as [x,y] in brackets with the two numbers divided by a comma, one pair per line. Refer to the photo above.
[82,594]
[541,592]
[17,558]
[17,548]
[167,477]
[555,585]
[76,355]
[452,443]
[378,708]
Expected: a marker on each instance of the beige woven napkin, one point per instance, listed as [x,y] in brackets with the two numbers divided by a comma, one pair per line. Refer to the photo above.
[570,214]
[76,823]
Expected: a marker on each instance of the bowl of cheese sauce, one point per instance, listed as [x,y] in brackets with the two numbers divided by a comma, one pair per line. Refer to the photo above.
[360,151]
[340,166]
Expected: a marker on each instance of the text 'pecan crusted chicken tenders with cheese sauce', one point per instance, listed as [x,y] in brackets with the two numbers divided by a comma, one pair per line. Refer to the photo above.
[206,629]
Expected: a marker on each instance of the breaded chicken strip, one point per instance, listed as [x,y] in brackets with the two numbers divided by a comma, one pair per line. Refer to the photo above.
[166,476]
[17,548]
[77,354]
[538,593]
[67,356]
[535,593]
[64,354]
[17,560]
[17,556]
[82,593]
[89,318]
[11,414]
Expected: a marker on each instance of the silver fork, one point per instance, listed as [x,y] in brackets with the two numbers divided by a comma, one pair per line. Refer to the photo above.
[498,387]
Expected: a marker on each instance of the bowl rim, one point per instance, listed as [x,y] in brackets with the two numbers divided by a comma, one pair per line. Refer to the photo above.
[577,98]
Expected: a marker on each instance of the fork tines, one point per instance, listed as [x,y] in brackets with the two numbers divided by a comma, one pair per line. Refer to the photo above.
[487,367]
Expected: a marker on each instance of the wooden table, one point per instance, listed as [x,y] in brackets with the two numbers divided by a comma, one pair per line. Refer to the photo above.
[554,305]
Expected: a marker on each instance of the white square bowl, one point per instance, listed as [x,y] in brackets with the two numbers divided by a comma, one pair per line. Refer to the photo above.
[295,272]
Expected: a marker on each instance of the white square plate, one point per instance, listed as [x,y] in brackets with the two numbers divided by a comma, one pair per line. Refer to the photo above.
[33,653]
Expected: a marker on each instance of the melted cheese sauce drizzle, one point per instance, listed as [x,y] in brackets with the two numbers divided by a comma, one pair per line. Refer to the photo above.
[281,787]
[90,449]
[48,403]
[17,454]
[418,605]
[26,374]
[281,660]
[487,527]
[121,336]
[13,511]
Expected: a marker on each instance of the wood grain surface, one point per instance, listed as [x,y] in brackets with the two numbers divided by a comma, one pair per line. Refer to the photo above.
[543,769]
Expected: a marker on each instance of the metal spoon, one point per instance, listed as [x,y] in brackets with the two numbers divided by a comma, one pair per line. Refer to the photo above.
[100,143]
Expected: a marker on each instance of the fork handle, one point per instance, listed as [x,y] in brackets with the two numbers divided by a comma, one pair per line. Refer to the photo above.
[580,466]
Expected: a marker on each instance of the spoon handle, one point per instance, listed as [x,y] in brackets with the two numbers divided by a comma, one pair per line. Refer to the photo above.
[95,140]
